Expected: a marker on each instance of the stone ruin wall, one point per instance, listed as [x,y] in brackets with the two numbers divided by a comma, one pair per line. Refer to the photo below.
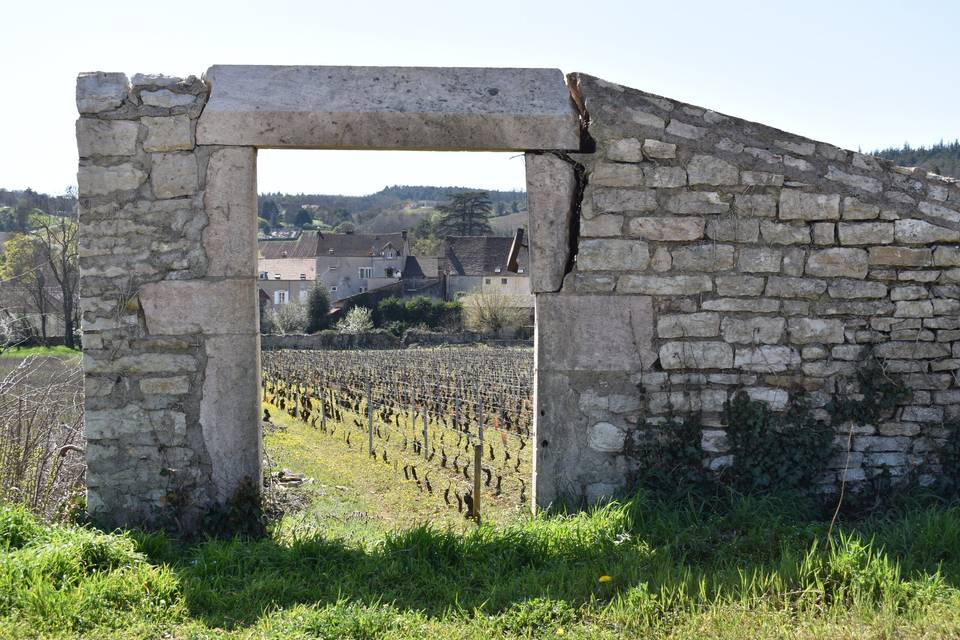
[717,254]
[170,328]
[680,256]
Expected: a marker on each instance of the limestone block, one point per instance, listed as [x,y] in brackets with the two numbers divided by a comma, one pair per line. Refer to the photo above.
[946,256]
[609,174]
[800,205]
[612,255]
[776,233]
[602,226]
[776,399]
[759,260]
[704,169]
[95,180]
[171,133]
[815,330]
[664,285]
[666,228]
[174,174]
[230,202]
[900,257]
[684,130]
[854,180]
[706,257]
[696,203]
[210,307]
[761,178]
[824,233]
[143,363]
[850,263]
[755,205]
[800,147]
[625,150]
[606,437]
[230,411]
[100,91]
[914,309]
[619,200]
[779,287]
[909,292]
[688,325]
[106,137]
[714,441]
[758,330]
[752,305]
[850,352]
[766,359]
[665,177]
[389,108]
[922,232]
[733,229]
[166,99]
[855,209]
[661,260]
[658,149]
[135,425]
[847,289]
[740,285]
[177,385]
[696,355]
[940,212]
[594,332]
[859,233]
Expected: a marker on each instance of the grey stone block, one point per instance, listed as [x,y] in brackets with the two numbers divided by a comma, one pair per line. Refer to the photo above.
[101,91]
[106,137]
[551,185]
[389,108]
[230,201]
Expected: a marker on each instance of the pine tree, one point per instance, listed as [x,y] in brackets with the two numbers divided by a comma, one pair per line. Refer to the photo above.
[466,214]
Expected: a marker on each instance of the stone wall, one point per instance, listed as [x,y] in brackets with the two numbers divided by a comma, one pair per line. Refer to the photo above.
[716,255]
[170,330]
[677,256]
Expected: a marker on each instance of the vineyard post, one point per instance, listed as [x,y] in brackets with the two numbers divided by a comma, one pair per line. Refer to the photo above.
[370,416]
[477,462]
[323,409]
[456,413]
[426,447]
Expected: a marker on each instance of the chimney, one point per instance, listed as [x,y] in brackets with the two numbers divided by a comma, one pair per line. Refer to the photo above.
[406,243]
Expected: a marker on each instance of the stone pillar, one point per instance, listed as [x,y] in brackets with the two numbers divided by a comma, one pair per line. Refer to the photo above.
[167,261]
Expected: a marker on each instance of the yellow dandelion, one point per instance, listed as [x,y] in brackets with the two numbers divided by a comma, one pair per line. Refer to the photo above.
[605,579]
[560,631]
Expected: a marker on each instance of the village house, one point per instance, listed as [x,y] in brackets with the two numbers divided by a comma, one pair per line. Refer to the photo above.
[345,264]
[487,264]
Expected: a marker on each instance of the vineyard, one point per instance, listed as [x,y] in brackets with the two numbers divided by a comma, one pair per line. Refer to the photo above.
[456,422]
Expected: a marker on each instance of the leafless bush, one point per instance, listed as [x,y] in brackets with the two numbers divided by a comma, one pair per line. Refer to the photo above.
[494,313]
[41,434]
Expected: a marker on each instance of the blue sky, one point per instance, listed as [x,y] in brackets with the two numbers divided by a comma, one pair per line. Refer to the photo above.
[856,74]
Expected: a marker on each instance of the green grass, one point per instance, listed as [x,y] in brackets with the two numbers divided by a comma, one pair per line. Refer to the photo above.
[724,567]
[19,353]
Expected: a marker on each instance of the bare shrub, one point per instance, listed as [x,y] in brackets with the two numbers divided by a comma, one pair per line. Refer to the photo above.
[41,434]
[494,313]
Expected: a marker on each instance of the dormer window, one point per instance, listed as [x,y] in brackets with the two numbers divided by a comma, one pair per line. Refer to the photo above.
[497,270]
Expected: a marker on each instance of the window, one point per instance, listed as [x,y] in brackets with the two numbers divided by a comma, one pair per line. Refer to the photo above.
[276,276]
[333,267]
[333,289]
[264,275]
[279,297]
[363,289]
[303,276]
[503,281]
[487,281]
[366,272]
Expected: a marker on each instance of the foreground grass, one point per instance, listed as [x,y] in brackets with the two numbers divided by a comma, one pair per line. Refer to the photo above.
[726,567]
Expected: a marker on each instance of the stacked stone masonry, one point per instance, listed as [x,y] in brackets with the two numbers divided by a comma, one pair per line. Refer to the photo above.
[677,257]
[742,258]
[168,299]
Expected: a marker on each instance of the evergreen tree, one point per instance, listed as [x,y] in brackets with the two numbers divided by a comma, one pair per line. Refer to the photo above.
[467,214]
[318,306]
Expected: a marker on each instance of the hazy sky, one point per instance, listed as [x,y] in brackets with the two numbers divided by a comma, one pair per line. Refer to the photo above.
[857,74]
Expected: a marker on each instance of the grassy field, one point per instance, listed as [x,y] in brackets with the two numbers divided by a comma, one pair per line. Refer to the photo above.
[18,353]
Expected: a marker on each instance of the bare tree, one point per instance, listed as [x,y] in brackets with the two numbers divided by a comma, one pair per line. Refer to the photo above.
[59,248]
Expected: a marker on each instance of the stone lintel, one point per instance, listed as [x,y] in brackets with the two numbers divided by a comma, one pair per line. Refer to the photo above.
[412,108]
